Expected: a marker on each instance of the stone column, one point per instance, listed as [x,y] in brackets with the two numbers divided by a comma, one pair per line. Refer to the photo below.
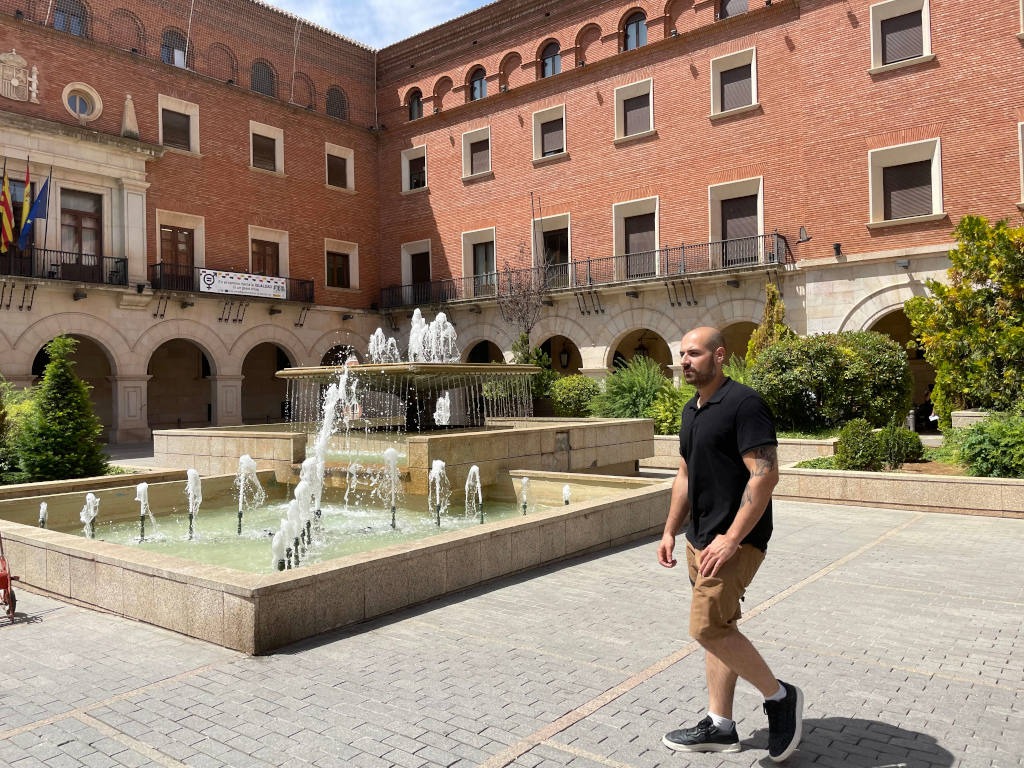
[227,401]
[20,382]
[133,206]
[131,408]
[595,373]
[677,374]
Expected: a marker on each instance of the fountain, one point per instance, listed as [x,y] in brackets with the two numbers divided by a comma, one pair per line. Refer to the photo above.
[194,491]
[88,514]
[250,492]
[566,493]
[440,490]
[142,496]
[474,495]
[525,491]
[42,514]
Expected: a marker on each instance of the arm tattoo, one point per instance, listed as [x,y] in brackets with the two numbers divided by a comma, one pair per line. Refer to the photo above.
[747,497]
[766,457]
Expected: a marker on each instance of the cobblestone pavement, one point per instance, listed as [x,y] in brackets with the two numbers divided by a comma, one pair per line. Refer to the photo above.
[903,629]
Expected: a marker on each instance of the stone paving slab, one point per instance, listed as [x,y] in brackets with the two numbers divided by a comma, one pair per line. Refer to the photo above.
[904,630]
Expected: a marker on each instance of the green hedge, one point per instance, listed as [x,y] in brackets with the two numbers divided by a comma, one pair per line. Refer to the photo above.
[995,447]
[571,395]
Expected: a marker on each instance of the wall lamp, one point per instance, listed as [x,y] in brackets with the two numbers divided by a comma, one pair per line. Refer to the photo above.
[803,237]
[563,358]
[346,316]
[733,283]
[274,311]
[837,249]
[186,304]
[140,287]
[903,263]
[79,294]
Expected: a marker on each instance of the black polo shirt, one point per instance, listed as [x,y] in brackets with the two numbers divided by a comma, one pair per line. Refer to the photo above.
[712,441]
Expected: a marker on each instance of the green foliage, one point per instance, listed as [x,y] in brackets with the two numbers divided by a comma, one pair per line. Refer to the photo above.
[773,326]
[899,445]
[995,447]
[571,395]
[971,328]
[858,447]
[737,369]
[629,390]
[821,462]
[667,408]
[816,382]
[61,436]
[15,407]
[524,354]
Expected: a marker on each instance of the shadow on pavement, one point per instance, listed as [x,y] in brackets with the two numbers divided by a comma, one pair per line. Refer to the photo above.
[859,743]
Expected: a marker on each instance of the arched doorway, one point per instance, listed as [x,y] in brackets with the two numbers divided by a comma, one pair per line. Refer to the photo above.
[92,365]
[485,352]
[737,336]
[338,354]
[566,358]
[896,326]
[646,343]
[263,393]
[180,392]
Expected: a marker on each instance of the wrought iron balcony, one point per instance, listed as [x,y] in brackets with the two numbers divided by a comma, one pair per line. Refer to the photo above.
[165,276]
[717,257]
[64,265]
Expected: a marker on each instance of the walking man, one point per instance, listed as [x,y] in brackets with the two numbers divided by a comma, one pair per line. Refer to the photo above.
[722,495]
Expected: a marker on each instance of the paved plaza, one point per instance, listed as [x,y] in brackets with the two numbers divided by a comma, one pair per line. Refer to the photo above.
[904,630]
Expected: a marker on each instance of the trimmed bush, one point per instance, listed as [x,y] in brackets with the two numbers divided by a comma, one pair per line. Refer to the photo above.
[667,408]
[858,447]
[571,395]
[995,447]
[815,382]
[898,445]
[629,391]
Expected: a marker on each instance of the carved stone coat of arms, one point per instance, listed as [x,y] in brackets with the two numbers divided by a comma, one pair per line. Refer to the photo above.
[17,81]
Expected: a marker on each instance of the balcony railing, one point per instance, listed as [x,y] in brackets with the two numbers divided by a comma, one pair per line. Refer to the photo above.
[164,276]
[721,256]
[64,265]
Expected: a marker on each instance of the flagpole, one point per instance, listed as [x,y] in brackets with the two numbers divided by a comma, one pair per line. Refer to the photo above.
[46,226]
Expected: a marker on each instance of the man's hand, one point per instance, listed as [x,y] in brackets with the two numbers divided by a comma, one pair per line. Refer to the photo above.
[665,548]
[716,554]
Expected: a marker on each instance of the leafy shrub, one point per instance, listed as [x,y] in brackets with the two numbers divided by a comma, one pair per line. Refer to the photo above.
[523,354]
[898,445]
[667,408]
[858,447]
[737,369]
[772,327]
[820,462]
[629,390]
[995,447]
[815,382]
[15,407]
[571,395]
[61,436]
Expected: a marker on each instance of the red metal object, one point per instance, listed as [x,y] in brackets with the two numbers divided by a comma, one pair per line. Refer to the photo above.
[7,597]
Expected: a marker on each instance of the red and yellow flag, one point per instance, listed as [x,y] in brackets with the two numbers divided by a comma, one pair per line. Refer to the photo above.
[6,216]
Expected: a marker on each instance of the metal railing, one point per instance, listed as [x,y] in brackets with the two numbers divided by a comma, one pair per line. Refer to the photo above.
[64,265]
[165,276]
[720,256]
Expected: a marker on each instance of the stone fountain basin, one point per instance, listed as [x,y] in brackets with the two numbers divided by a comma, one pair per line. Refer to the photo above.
[257,613]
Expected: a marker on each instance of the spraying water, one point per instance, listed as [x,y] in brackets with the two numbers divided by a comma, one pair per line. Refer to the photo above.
[42,514]
[443,410]
[438,490]
[388,487]
[142,496]
[524,485]
[434,342]
[383,349]
[250,492]
[474,495]
[566,493]
[88,514]
[194,491]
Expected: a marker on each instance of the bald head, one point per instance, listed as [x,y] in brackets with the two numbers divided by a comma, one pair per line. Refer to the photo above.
[709,338]
[702,354]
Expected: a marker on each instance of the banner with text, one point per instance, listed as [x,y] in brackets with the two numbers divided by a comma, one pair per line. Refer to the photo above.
[242,284]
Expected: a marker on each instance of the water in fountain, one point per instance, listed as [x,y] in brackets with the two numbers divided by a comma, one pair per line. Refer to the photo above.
[194,491]
[524,493]
[250,492]
[382,349]
[42,514]
[142,496]
[388,485]
[474,494]
[443,410]
[566,493]
[439,492]
[88,514]
[433,342]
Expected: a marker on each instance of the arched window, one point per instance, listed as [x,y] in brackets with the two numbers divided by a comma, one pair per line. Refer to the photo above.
[550,60]
[634,31]
[69,16]
[337,103]
[172,48]
[477,84]
[262,78]
[415,105]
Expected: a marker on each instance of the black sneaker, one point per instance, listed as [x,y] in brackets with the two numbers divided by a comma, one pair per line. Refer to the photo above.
[703,737]
[785,723]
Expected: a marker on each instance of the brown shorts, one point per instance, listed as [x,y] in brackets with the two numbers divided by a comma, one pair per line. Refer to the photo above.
[715,605]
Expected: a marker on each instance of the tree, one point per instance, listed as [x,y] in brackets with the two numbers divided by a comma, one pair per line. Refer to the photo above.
[524,354]
[972,327]
[773,326]
[61,437]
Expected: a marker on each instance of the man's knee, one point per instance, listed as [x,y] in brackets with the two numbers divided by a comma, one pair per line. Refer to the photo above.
[710,634]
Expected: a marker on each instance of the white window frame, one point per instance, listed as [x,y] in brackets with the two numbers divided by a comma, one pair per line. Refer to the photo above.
[468,138]
[408,249]
[726,63]
[271,132]
[186,221]
[546,116]
[88,90]
[471,238]
[279,236]
[352,249]
[547,223]
[624,92]
[726,191]
[413,153]
[887,10]
[350,165]
[186,108]
[901,154]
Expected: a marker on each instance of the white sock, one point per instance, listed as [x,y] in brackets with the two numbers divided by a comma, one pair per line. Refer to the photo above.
[779,695]
[723,724]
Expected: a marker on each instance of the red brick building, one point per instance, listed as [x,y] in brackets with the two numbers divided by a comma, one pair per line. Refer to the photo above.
[627,171]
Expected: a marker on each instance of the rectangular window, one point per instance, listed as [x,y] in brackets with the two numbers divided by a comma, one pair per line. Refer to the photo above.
[176,129]
[733,8]
[641,255]
[636,114]
[907,190]
[900,34]
[338,270]
[736,88]
[337,171]
[177,258]
[483,268]
[552,137]
[417,172]
[480,156]
[264,152]
[734,82]
[902,37]
[266,258]
[739,231]
[81,237]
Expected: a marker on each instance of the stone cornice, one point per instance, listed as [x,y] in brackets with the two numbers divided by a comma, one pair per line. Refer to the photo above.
[37,125]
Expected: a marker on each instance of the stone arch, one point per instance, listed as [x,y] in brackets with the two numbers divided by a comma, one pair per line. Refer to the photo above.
[201,335]
[127,32]
[303,90]
[674,18]
[105,335]
[872,307]
[331,339]
[557,325]
[221,63]
[499,334]
[510,71]
[282,337]
[588,43]
[442,88]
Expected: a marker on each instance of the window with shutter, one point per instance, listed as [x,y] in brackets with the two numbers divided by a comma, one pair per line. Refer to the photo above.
[337,171]
[640,246]
[264,152]
[417,172]
[636,114]
[480,156]
[736,88]
[739,230]
[907,190]
[733,8]
[902,38]
[552,141]
[338,266]
[176,128]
